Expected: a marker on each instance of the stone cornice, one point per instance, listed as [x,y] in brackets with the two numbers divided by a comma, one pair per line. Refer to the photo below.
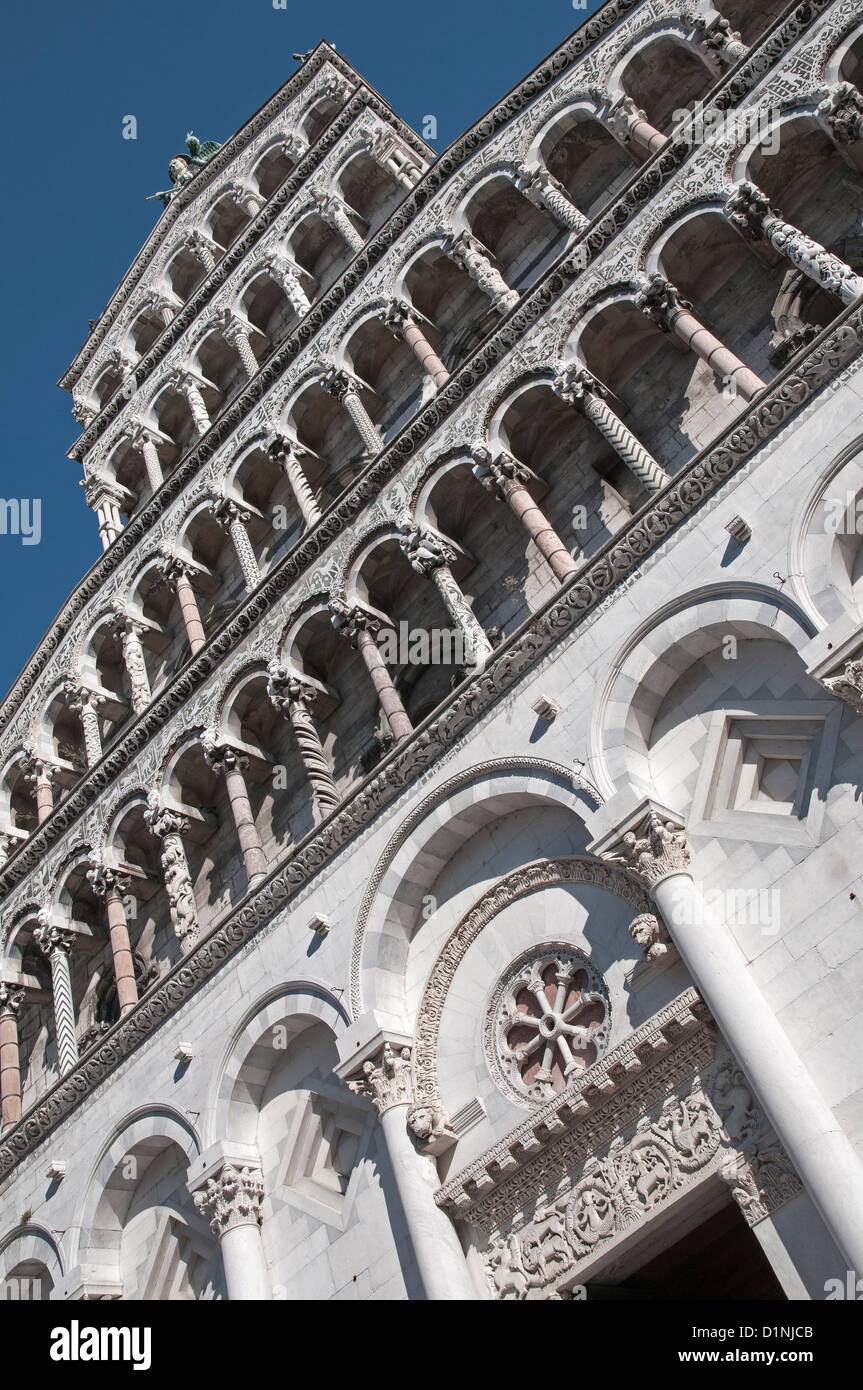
[516,1167]
[645,183]
[618,558]
[322,55]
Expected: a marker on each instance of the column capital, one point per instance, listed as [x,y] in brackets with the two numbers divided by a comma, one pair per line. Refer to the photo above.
[284,689]
[713,32]
[105,880]
[228,510]
[173,567]
[397,314]
[849,685]
[575,384]
[295,146]
[202,246]
[34,767]
[385,1077]
[425,550]
[220,756]
[338,383]
[494,472]
[162,820]
[649,842]
[841,110]
[622,114]
[80,697]
[11,999]
[50,938]
[659,299]
[233,1198]
[350,620]
[747,209]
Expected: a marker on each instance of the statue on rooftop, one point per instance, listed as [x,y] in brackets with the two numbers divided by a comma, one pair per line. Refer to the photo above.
[183,167]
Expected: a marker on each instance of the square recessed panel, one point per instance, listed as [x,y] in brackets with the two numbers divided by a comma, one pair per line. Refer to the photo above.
[325,1146]
[765,775]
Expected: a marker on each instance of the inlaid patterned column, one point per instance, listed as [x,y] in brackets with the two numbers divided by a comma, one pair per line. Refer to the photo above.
[233,1201]
[666,307]
[334,212]
[40,773]
[130,632]
[231,764]
[57,946]
[714,34]
[651,844]
[237,334]
[110,885]
[176,573]
[200,415]
[841,111]
[631,126]
[468,253]
[146,443]
[385,1079]
[579,388]
[749,210]
[284,275]
[296,699]
[170,827]
[11,999]
[507,479]
[402,320]
[361,630]
[338,384]
[85,703]
[282,451]
[430,556]
[234,519]
[545,191]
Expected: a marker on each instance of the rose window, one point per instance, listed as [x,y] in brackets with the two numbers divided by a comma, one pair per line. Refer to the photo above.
[550,1020]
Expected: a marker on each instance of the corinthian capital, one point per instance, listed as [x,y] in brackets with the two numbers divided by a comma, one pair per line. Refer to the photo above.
[650,844]
[386,1081]
[163,821]
[220,756]
[104,879]
[285,688]
[350,620]
[659,299]
[233,1198]
[575,384]
[425,550]
[11,999]
[849,686]
[747,208]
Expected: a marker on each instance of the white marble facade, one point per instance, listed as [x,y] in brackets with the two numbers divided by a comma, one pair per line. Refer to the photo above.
[330,973]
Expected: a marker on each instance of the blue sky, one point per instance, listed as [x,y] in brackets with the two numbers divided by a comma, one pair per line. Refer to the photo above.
[75,211]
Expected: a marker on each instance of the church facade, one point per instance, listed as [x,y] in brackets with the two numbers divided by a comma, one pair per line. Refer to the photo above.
[429,834]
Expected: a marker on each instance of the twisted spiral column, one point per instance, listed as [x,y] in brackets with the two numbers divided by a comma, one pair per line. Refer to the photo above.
[295,699]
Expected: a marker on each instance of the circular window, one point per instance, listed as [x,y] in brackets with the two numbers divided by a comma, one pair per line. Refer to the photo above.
[548,1020]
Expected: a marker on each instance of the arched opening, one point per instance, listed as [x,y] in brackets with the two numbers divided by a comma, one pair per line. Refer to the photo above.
[450,300]
[370,189]
[319,250]
[585,157]
[227,221]
[384,362]
[523,238]
[666,76]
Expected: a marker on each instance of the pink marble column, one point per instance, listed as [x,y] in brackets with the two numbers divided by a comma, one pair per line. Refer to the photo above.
[232,765]
[40,773]
[107,883]
[11,998]
[664,304]
[176,574]
[361,629]
[507,479]
[402,321]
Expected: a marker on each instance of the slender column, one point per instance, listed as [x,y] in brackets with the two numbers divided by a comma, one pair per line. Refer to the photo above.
[401,320]
[441,1265]
[237,335]
[392,156]
[430,556]
[841,112]
[340,385]
[665,305]
[6,843]
[85,703]
[630,124]
[200,414]
[543,189]
[282,451]
[57,945]
[652,845]
[361,630]
[176,573]
[332,210]
[201,248]
[579,388]
[234,519]
[233,1201]
[281,272]
[295,699]
[714,33]
[105,500]
[467,252]
[41,773]
[111,885]
[11,998]
[163,307]
[129,632]
[170,827]
[507,479]
[146,443]
[749,210]
[231,765]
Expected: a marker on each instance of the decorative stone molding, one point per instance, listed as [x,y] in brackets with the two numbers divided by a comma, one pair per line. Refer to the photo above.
[842,112]
[232,1199]
[848,686]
